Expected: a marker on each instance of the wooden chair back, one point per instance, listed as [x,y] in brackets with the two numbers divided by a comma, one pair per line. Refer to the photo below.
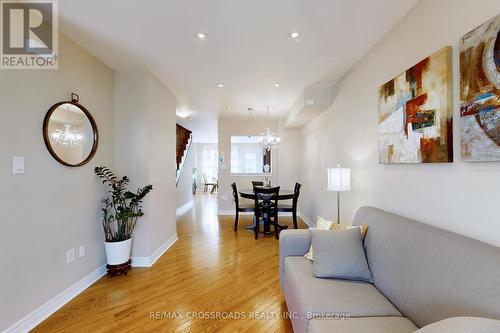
[296,193]
[266,201]
[235,195]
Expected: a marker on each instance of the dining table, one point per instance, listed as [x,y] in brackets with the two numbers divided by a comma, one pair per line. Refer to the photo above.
[250,194]
[285,194]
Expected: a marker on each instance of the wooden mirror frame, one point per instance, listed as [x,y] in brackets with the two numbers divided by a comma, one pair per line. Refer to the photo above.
[45,130]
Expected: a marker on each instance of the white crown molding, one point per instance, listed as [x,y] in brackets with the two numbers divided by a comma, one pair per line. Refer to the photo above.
[149,261]
[46,310]
[184,208]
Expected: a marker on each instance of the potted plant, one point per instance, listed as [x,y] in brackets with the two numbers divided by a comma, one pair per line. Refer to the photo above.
[120,212]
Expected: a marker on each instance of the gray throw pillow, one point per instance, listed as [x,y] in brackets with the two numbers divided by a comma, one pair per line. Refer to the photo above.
[340,255]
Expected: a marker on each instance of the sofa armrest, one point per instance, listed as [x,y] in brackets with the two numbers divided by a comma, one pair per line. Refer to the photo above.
[294,242]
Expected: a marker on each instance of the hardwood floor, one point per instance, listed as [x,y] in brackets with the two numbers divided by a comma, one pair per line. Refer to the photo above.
[211,271]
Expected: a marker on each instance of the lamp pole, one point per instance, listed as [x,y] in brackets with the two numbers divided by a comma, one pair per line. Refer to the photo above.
[338,207]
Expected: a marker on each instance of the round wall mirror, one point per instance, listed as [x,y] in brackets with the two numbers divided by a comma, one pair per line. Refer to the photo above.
[70,133]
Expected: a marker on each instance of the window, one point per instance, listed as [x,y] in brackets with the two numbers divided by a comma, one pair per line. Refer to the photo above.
[209,164]
[248,157]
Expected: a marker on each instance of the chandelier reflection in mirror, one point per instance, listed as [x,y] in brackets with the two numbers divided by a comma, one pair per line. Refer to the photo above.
[269,140]
[67,138]
[70,133]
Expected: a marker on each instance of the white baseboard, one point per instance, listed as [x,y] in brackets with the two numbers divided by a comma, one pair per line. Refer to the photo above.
[231,213]
[299,214]
[305,219]
[141,262]
[149,261]
[46,310]
[184,208]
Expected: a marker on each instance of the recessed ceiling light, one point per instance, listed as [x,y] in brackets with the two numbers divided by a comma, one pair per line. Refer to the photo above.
[220,85]
[201,35]
[228,108]
[294,35]
[277,85]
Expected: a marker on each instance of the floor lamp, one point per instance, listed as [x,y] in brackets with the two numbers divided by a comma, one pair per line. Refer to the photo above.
[339,180]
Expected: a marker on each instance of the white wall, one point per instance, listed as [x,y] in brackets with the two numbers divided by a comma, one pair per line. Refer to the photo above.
[145,152]
[284,160]
[162,165]
[462,197]
[50,208]
[289,156]
[184,190]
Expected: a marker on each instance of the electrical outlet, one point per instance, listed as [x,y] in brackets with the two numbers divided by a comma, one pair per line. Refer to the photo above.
[70,255]
[81,251]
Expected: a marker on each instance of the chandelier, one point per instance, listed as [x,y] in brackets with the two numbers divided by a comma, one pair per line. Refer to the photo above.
[269,140]
[67,138]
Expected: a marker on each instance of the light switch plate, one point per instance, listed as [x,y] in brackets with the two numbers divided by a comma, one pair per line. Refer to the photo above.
[81,251]
[18,165]
[70,255]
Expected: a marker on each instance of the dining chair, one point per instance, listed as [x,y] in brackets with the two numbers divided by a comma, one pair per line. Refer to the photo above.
[257,183]
[266,208]
[293,207]
[239,208]
[207,184]
[215,187]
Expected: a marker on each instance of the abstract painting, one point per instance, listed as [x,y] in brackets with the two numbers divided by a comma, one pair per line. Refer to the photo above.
[480,92]
[415,113]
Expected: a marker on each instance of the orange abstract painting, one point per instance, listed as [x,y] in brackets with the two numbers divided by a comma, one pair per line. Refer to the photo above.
[415,113]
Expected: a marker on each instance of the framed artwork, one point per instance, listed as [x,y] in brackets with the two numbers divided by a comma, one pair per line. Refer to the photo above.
[415,113]
[480,92]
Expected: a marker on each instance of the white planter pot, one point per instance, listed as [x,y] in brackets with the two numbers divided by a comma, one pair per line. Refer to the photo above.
[118,252]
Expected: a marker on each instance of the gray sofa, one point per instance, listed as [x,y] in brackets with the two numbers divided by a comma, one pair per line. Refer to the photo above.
[421,274]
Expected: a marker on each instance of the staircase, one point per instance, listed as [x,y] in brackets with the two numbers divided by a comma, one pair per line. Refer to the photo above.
[183,145]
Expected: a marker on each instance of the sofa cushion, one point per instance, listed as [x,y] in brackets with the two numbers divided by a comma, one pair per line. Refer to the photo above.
[308,296]
[339,255]
[362,325]
[463,325]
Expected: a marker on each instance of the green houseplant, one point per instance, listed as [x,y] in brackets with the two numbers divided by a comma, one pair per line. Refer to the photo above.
[120,212]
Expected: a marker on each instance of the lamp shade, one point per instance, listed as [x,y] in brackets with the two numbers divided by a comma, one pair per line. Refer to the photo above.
[339,179]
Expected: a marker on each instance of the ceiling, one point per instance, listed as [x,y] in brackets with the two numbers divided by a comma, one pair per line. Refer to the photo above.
[248,47]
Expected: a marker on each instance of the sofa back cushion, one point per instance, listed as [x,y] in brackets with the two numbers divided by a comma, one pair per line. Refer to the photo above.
[428,273]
